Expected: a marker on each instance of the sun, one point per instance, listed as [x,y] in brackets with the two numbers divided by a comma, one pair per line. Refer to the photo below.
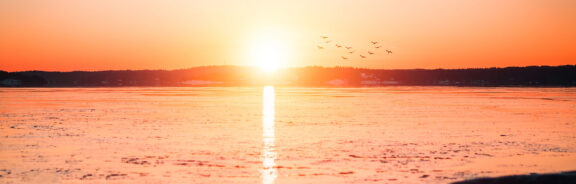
[268,50]
[268,55]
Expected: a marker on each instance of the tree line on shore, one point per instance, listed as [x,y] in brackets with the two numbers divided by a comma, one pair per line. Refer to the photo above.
[305,76]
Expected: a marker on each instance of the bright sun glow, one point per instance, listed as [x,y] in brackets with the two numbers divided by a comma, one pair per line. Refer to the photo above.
[269,50]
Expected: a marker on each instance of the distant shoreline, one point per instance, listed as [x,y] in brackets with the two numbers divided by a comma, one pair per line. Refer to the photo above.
[226,76]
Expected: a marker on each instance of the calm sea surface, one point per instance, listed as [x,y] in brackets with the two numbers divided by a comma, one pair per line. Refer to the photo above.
[283,135]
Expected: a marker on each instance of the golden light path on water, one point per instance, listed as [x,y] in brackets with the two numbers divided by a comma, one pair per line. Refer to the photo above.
[269,171]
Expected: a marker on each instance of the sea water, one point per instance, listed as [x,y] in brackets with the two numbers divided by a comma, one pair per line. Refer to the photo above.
[283,135]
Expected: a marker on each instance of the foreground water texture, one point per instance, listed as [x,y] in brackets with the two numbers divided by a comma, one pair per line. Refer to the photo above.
[283,135]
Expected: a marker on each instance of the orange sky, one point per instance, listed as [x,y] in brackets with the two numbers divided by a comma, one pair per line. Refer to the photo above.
[70,35]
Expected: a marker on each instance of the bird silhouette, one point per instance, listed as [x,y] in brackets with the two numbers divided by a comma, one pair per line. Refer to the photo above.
[348,47]
[320,47]
[374,43]
[344,58]
[388,51]
[351,52]
[339,46]
[323,37]
[370,52]
[377,47]
[362,56]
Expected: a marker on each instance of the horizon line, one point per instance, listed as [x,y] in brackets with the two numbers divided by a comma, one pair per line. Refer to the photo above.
[285,68]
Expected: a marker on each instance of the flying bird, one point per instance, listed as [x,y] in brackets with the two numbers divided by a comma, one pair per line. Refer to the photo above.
[374,43]
[348,47]
[389,51]
[377,47]
[362,56]
[323,37]
[344,58]
[339,46]
[351,52]
[370,52]
[320,47]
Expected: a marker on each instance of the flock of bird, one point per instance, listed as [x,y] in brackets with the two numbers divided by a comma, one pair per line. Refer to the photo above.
[350,50]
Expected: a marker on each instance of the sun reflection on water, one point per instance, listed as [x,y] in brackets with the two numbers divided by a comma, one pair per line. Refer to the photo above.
[269,171]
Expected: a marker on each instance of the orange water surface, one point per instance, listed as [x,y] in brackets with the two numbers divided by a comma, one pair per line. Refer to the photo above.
[283,135]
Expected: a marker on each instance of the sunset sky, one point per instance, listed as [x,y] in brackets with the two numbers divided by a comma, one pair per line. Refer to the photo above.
[68,35]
